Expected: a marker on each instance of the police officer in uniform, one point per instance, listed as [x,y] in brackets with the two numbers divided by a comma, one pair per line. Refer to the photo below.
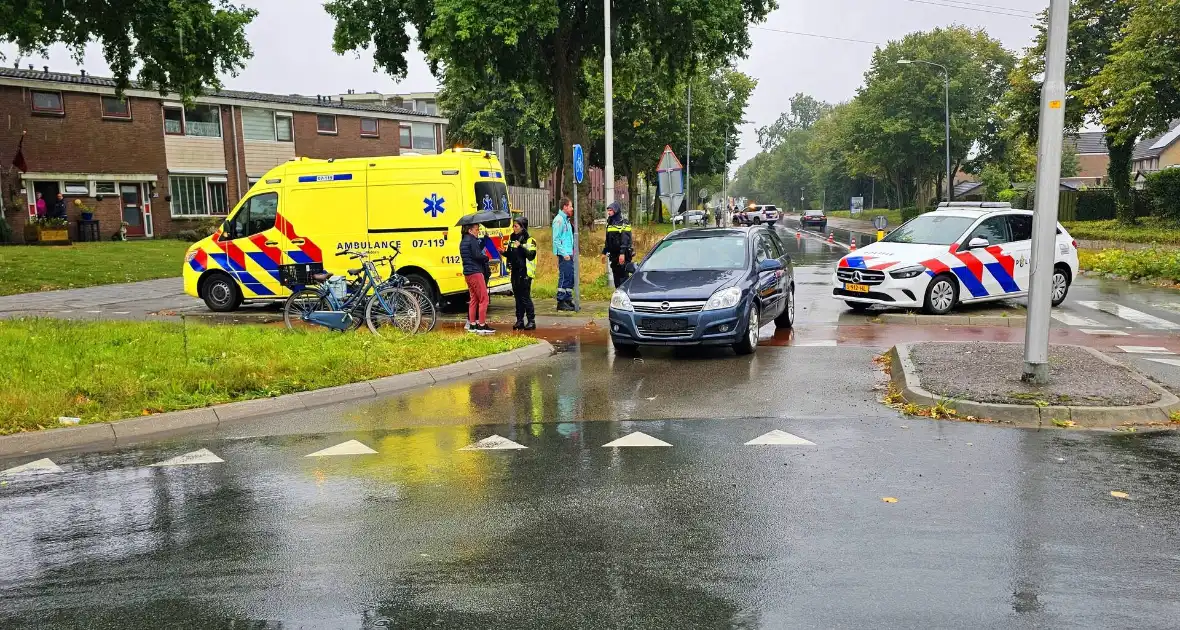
[618,249]
[521,255]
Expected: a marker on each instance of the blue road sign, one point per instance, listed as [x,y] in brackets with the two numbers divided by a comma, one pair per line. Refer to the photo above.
[579,164]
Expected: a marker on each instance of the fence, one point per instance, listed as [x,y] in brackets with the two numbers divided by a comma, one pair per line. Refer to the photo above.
[533,203]
[1094,204]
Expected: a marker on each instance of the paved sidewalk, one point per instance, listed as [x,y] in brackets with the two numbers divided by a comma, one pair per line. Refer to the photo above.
[134,300]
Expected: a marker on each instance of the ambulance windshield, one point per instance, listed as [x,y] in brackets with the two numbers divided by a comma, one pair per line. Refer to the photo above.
[493,197]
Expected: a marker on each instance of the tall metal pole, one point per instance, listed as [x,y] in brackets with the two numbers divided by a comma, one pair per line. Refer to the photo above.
[688,155]
[1040,289]
[577,256]
[950,182]
[609,91]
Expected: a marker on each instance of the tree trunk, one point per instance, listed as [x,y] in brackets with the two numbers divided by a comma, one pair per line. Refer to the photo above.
[631,192]
[568,106]
[534,171]
[1121,154]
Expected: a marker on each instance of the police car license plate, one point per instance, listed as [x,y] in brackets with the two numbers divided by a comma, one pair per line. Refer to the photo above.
[664,325]
[857,288]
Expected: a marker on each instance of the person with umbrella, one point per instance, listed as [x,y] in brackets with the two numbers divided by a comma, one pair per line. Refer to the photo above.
[475,266]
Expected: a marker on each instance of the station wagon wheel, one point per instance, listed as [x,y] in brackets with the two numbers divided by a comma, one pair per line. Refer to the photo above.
[749,342]
[941,295]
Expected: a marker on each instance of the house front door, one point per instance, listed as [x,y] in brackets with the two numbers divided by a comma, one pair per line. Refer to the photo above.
[133,209]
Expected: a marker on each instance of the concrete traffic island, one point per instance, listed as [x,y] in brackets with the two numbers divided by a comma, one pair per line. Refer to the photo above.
[155,426]
[982,380]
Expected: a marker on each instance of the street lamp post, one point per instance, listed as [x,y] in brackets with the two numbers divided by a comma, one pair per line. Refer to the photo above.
[608,195]
[950,185]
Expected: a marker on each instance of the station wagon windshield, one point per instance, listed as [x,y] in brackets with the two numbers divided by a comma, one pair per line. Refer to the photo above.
[931,229]
[683,254]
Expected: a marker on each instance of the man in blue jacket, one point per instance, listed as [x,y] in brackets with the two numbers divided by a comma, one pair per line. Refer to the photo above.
[563,248]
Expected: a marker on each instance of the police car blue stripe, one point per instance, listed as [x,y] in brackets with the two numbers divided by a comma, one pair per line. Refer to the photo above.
[968,280]
[1001,275]
[855,262]
[339,177]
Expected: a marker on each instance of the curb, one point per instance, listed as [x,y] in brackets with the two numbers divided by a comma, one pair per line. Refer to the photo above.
[1014,321]
[905,377]
[121,432]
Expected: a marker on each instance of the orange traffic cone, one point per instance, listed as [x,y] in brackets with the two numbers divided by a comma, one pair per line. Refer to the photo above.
[831,237]
[798,234]
[852,248]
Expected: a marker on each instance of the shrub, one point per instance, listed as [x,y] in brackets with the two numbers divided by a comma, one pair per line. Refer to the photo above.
[1008,196]
[1134,264]
[909,213]
[1096,204]
[1163,189]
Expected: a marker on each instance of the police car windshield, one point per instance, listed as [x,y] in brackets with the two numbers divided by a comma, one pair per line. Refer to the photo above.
[931,229]
[683,254]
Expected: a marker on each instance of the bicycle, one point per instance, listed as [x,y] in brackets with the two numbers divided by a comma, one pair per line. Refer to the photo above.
[425,304]
[339,304]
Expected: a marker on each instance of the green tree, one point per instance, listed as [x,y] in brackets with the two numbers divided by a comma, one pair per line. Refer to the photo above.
[547,43]
[180,46]
[806,110]
[1095,28]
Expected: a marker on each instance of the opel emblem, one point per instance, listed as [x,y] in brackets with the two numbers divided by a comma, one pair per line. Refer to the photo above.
[664,306]
[856,277]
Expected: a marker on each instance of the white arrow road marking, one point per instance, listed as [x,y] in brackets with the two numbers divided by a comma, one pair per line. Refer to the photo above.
[351,447]
[39,467]
[1106,332]
[1132,315]
[779,438]
[1172,362]
[822,343]
[1145,350]
[638,438]
[494,443]
[203,456]
[1074,320]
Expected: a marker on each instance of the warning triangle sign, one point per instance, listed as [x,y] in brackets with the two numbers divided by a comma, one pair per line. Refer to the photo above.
[669,161]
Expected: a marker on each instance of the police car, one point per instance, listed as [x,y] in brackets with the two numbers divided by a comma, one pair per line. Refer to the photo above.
[960,253]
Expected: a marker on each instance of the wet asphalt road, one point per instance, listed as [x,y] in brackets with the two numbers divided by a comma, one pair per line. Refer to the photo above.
[992,528]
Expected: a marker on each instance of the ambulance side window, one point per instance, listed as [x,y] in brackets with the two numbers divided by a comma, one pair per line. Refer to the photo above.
[491,197]
[256,215]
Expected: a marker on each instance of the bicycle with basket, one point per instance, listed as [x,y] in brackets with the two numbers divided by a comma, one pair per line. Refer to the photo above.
[320,298]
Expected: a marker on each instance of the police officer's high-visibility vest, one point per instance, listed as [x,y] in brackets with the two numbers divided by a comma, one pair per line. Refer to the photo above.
[618,237]
[530,266]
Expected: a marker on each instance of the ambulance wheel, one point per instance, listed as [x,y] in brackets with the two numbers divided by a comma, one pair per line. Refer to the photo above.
[941,295]
[423,283]
[221,293]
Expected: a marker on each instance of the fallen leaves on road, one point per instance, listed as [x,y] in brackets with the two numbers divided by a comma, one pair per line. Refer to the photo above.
[1064,424]
[889,499]
[1118,494]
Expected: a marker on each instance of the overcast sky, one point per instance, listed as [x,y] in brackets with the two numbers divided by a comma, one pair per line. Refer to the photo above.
[292,42]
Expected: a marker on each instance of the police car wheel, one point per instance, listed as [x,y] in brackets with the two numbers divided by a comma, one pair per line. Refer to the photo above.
[941,295]
[1060,285]
[221,293]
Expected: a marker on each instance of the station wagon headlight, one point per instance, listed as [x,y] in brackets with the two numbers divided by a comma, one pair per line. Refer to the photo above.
[908,272]
[620,302]
[724,298]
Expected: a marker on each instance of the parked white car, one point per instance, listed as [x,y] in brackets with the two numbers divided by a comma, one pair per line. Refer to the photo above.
[960,253]
[757,215]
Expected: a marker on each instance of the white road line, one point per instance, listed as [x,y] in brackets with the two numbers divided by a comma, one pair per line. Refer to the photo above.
[41,466]
[351,447]
[494,443]
[93,311]
[779,438]
[1106,332]
[1074,320]
[1172,362]
[822,343]
[203,456]
[1132,315]
[1145,350]
[638,438]
[122,312]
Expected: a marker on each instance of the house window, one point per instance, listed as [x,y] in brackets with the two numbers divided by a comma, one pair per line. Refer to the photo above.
[200,120]
[424,137]
[198,196]
[370,128]
[283,128]
[265,124]
[48,103]
[81,189]
[174,121]
[113,107]
[406,141]
[104,188]
[325,123]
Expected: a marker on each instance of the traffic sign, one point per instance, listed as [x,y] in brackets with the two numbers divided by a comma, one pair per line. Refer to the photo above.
[880,222]
[579,164]
[857,206]
[670,177]
[703,194]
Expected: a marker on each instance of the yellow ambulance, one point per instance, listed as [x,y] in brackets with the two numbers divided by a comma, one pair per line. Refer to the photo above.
[305,211]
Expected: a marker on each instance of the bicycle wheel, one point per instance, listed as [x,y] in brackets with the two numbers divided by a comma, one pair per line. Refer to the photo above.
[300,305]
[426,305]
[391,307]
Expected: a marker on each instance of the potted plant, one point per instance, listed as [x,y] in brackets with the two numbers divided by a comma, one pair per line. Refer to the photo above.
[47,230]
[87,211]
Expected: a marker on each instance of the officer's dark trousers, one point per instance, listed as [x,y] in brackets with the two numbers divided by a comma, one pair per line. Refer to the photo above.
[618,271]
[522,290]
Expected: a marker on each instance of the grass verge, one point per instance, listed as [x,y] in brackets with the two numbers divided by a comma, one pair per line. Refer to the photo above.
[28,269]
[893,216]
[101,371]
[1160,265]
[594,281]
[1148,230]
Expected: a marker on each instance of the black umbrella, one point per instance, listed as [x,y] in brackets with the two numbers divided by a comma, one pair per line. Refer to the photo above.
[483,217]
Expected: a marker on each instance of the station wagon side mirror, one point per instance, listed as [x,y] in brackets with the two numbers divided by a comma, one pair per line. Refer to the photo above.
[978,242]
[770,264]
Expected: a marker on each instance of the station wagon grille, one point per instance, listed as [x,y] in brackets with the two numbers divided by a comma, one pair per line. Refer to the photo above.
[672,308]
[868,277]
[665,334]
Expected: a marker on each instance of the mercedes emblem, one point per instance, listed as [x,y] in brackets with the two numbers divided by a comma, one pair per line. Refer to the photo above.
[856,277]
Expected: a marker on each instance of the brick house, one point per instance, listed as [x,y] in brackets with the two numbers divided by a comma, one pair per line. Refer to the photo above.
[1093,159]
[159,164]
